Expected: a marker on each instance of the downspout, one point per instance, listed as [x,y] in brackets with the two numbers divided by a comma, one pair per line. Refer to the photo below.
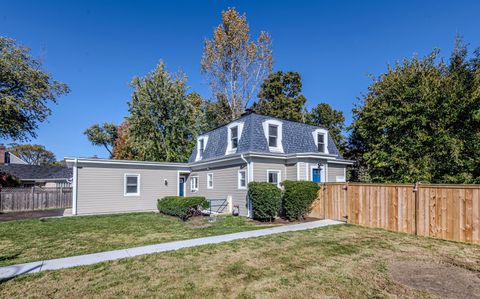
[75,185]
[248,181]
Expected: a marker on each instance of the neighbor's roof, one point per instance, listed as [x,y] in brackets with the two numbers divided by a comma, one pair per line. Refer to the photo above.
[297,138]
[36,172]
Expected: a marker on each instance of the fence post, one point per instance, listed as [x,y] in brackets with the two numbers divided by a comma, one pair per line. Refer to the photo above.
[347,209]
[324,199]
[33,197]
[415,190]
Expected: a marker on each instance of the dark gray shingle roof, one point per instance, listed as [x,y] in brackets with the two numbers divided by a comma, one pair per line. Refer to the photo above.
[36,172]
[297,138]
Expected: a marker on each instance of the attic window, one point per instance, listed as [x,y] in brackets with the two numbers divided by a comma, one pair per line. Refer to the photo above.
[321,142]
[234,137]
[272,135]
[201,148]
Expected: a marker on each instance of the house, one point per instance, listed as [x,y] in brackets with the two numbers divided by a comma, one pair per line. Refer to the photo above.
[223,162]
[34,175]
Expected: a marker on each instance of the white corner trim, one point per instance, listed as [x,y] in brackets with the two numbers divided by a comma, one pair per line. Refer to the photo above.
[75,188]
[298,171]
[208,175]
[315,138]
[279,172]
[238,179]
[205,141]
[265,124]
[125,184]
[306,171]
[238,124]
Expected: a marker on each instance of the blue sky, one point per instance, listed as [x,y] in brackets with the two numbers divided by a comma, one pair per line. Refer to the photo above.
[96,47]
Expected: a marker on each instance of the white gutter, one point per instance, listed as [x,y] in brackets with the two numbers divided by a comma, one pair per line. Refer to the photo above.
[75,185]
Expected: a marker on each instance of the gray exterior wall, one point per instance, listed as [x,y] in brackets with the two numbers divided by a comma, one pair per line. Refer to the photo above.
[100,188]
[291,170]
[261,166]
[225,183]
[335,170]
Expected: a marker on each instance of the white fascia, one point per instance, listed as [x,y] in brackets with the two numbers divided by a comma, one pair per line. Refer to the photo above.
[205,141]
[315,138]
[231,150]
[279,147]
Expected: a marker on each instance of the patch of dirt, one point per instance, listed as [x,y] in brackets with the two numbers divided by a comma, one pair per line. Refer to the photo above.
[198,222]
[285,221]
[442,279]
[10,216]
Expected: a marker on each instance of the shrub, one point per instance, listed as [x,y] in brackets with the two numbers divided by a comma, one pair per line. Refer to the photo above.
[298,198]
[182,207]
[266,200]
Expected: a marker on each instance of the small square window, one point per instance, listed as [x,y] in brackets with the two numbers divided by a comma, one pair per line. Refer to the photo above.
[132,185]
[242,179]
[210,180]
[274,177]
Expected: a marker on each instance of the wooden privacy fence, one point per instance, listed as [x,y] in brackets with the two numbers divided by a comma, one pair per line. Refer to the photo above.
[34,198]
[450,212]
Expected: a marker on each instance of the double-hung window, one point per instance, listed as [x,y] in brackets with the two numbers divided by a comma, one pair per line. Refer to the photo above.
[201,148]
[242,179]
[209,180]
[274,177]
[234,137]
[194,183]
[272,135]
[321,142]
[131,184]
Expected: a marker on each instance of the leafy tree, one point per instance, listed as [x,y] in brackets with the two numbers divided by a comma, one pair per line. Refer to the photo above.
[33,154]
[234,64]
[164,120]
[217,113]
[25,91]
[280,96]
[122,149]
[420,121]
[324,115]
[7,180]
[102,135]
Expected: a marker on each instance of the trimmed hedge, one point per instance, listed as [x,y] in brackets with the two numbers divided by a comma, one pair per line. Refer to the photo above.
[182,207]
[298,197]
[266,200]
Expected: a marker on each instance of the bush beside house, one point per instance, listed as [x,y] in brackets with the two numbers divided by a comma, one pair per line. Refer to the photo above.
[266,200]
[182,207]
[297,199]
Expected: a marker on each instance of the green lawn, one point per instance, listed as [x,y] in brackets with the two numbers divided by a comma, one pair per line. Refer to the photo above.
[342,261]
[32,240]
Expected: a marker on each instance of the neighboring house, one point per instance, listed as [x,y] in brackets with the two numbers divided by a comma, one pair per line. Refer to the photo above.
[223,162]
[34,175]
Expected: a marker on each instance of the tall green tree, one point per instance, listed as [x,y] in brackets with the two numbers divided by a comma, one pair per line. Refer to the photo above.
[103,135]
[280,96]
[234,64]
[324,115]
[33,154]
[420,121]
[26,91]
[164,121]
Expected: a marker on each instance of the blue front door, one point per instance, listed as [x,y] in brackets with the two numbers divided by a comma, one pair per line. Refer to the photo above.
[181,186]
[316,175]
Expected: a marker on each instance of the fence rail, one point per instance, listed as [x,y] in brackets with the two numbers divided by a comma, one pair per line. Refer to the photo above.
[450,212]
[34,198]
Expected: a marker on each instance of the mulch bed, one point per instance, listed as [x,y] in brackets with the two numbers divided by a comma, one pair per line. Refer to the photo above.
[11,216]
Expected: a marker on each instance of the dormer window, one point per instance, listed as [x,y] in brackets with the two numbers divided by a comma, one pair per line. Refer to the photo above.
[272,135]
[320,137]
[201,145]
[321,142]
[234,137]
[272,129]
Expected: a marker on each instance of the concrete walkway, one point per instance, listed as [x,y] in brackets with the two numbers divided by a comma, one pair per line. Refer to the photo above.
[88,259]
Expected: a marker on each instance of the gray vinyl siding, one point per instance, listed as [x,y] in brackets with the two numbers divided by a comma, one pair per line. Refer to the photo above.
[225,183]
[302,172]
[291,170]
[101,189]
[261,167]
[335,170]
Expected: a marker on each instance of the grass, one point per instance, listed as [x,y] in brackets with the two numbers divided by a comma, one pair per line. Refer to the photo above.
[340,261]
[32,240]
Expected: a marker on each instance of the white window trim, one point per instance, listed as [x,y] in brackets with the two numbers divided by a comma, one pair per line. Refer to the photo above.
[125,184]
[193,189]
[231,150]
[279,176]
[239,180]
[208,185]
[279,147]
[205,141]
[325,139]
[323,173]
